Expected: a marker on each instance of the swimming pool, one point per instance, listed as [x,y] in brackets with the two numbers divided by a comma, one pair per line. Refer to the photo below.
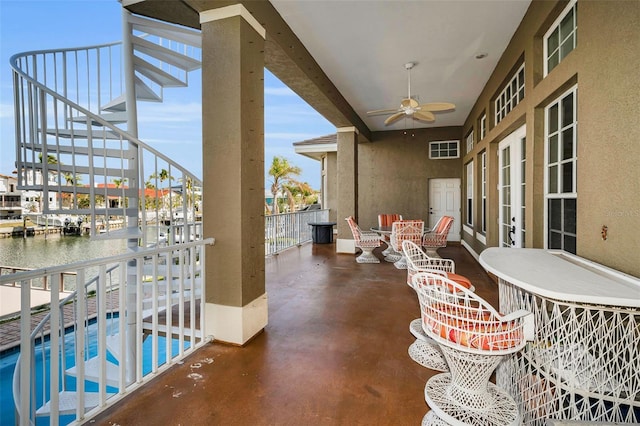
[9,358]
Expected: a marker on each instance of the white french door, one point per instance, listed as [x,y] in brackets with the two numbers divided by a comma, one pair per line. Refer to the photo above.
[511,188]
[444,200]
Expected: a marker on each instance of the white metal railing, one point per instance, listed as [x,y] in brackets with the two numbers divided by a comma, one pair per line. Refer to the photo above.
[73,130]
[70,355]
[290,229]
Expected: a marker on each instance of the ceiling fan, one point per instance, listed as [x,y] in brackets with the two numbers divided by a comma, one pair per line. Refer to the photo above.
[409,107]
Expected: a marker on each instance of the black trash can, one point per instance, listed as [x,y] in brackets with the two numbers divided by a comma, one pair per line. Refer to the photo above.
[322,232]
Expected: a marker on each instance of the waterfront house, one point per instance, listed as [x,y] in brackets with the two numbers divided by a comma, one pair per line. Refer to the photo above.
[539,152]
[10,198]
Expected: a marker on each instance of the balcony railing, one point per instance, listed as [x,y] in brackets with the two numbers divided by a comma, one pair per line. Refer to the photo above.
[286,230]
[131,316]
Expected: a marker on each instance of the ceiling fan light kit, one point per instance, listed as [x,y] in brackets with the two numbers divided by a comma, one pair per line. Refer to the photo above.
[409,107]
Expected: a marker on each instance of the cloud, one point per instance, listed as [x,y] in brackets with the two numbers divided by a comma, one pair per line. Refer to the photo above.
[6,110]
[169,113]
[289,136]
[279,91]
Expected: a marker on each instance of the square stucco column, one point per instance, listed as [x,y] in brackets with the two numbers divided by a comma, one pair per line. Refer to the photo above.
[233,173]
[347,186]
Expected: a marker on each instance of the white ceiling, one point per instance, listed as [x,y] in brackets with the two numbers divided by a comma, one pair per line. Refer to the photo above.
[363,46]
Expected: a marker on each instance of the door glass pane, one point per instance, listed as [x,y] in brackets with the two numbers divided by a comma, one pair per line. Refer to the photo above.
[569,215]
[506,242]
[567,110]
[567,177]
[555,240]
[553,149]
[553,119]
[567,143]
[553,179]
[569,244]
[555,214]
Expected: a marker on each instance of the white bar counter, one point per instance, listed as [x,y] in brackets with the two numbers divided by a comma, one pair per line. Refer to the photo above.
[584,363]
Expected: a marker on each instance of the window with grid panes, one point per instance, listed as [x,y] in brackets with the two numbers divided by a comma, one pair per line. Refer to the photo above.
[510,96]
[483,189]
[482,124]
[444,149]
[469,204]
[560,171]
[561,38]
[469,141]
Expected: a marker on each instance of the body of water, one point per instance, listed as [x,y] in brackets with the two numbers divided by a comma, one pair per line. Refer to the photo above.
[56,249]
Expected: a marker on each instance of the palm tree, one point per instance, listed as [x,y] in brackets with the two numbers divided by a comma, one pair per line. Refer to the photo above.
[162,176]
[282,173]
[118,183]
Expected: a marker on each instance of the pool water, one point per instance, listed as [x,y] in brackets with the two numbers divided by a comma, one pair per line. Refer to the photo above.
[8,361]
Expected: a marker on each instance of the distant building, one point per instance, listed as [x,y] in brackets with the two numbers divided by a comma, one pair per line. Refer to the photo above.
[10,198]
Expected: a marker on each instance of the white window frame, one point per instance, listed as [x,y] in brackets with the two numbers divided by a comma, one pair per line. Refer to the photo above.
[469,141]
[483,126]
[483,192]
[443,149]
[510,96]
[573,5]
[573,194]
[469,204]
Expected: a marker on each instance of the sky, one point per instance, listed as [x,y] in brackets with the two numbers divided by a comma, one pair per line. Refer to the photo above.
[172,127]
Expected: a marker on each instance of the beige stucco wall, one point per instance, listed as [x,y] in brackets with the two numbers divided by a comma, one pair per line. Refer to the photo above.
[394,171]
[604,66]
[331,189]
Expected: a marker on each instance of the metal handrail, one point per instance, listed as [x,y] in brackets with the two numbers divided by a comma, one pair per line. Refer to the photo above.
[191,250]
[286,230]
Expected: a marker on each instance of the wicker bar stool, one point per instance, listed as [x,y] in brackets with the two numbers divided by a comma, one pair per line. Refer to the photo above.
[474,338]
[424,350]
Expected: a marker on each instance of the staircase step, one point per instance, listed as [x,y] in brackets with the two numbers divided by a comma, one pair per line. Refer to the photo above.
[146,93]
[113,345]
[188,333]
[112,117]
[84,134]
[147,305]
[75,149]
[68,402]
[156,74]
[118,104]
[92,372]
[168,31]
[163,54]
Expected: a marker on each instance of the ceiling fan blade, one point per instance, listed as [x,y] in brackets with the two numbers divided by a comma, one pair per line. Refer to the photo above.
[424,116]
[409,103]
[437,106]
[393,118]
[382,111]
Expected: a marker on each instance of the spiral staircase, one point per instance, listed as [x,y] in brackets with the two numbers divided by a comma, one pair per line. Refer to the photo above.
[76,124]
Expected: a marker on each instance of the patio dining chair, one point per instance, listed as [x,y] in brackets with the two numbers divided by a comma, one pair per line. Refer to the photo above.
[474,338]
[365,241]
[424,350]
[403,230]
[437,236]
[384,221]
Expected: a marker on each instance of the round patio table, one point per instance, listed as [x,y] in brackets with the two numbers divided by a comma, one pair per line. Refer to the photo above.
[390,254]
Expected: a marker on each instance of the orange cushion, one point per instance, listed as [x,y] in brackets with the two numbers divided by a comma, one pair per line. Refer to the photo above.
[442,225]
[487,337]
[473,329]
[460,279]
